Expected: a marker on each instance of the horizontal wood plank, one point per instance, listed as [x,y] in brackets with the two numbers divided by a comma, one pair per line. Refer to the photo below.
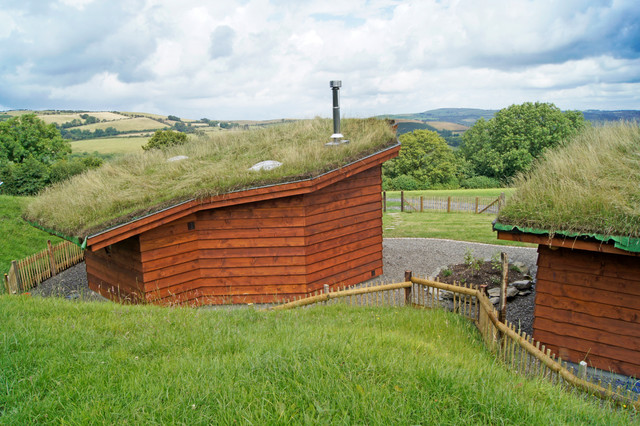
[628,287]
[592,308]
[616,327]
[594,335]
[599,362]
[587,294]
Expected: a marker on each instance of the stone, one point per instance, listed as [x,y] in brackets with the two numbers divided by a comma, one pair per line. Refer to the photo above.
[265,165]
[446,295]
[177,158]
[524,293]
[512,292]
[494,292]
[494,300]
[522,285]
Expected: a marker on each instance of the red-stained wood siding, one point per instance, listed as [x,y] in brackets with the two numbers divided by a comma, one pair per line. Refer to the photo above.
[116,271]
[588,307]
[269,250]
[344,231]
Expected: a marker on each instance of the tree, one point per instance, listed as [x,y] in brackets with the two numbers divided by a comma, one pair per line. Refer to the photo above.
[27,136]
[173,118]
[510,141]
[165,138]
[426,158]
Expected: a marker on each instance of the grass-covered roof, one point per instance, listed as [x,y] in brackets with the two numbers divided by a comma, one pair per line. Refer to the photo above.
[588,186]
[139,184]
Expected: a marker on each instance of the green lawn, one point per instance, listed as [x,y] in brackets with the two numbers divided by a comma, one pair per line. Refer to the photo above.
[121,145]
[452,226]
[19,239]
[63,362]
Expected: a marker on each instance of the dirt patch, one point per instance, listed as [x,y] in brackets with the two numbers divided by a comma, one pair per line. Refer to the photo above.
[480,273]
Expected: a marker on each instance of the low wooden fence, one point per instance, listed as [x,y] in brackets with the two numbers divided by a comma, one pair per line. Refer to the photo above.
[447,204]
[27,273]
[516,349]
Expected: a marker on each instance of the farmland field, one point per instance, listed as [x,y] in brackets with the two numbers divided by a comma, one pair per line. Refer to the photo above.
[145,114]
[447,125]
[126,125]
[64,118]
[115,145]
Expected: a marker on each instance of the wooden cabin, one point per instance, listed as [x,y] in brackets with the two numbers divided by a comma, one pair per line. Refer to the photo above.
[587,301]
[257,245]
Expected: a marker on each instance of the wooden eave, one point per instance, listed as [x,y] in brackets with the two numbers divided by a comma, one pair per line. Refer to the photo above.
[138,226]
[565,242]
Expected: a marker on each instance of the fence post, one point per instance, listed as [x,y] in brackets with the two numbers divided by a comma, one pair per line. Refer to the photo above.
[52,261]
[384,201]
[421,204]
[16,271]
[401,201]
[502,201]
[6,283]
[407,291]
[502,314]
[477,200]
[449,204]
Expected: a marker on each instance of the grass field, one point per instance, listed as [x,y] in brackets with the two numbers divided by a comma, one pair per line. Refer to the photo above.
[73,363]
[451,226]
[117,145]
[19,239]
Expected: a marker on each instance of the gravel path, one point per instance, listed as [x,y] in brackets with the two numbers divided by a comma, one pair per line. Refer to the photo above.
[425,257]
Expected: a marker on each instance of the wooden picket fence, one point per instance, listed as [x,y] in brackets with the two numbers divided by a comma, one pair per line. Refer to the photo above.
[447,204]
[27,273]
[515,348]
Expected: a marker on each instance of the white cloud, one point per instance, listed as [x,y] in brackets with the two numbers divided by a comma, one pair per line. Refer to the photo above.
[271,59]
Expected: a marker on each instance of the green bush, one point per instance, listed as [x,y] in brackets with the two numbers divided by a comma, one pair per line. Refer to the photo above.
[405,183]
[26,178]
[64,169]
[165,138]
[480,182]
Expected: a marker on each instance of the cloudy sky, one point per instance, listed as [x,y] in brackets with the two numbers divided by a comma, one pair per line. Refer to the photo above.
[262,59]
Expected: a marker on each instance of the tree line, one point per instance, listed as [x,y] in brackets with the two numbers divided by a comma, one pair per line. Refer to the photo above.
[491,153]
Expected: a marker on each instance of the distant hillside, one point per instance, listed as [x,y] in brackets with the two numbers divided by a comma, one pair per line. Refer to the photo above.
[468,116]
[463,116]
[596,115]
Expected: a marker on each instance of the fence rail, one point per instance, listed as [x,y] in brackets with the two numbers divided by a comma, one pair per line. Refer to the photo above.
[515,348]
[445,204]
[27,273]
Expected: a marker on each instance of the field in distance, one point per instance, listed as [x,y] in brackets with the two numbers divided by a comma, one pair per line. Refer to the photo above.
[117,145]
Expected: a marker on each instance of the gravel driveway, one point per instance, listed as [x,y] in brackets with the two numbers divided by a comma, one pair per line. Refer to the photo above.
[423,256]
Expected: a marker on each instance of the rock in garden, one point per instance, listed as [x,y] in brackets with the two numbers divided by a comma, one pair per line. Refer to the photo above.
[494,300]
[512,292]
[446,295]
[522,285]
[524,293]
[494,292]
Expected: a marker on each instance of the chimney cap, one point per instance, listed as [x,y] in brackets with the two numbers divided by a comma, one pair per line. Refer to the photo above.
[335,84]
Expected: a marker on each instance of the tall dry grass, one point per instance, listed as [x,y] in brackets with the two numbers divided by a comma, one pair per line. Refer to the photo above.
[219,163]
[589,185]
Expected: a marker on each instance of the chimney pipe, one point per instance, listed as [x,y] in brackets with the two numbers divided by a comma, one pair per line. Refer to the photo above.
[336,136]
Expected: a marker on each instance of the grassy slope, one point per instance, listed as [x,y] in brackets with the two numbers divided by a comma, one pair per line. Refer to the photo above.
[19,239]
[110,145]
[144,364]
[590,185]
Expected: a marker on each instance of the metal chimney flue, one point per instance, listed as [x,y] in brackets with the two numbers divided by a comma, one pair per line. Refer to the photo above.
[336,136]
